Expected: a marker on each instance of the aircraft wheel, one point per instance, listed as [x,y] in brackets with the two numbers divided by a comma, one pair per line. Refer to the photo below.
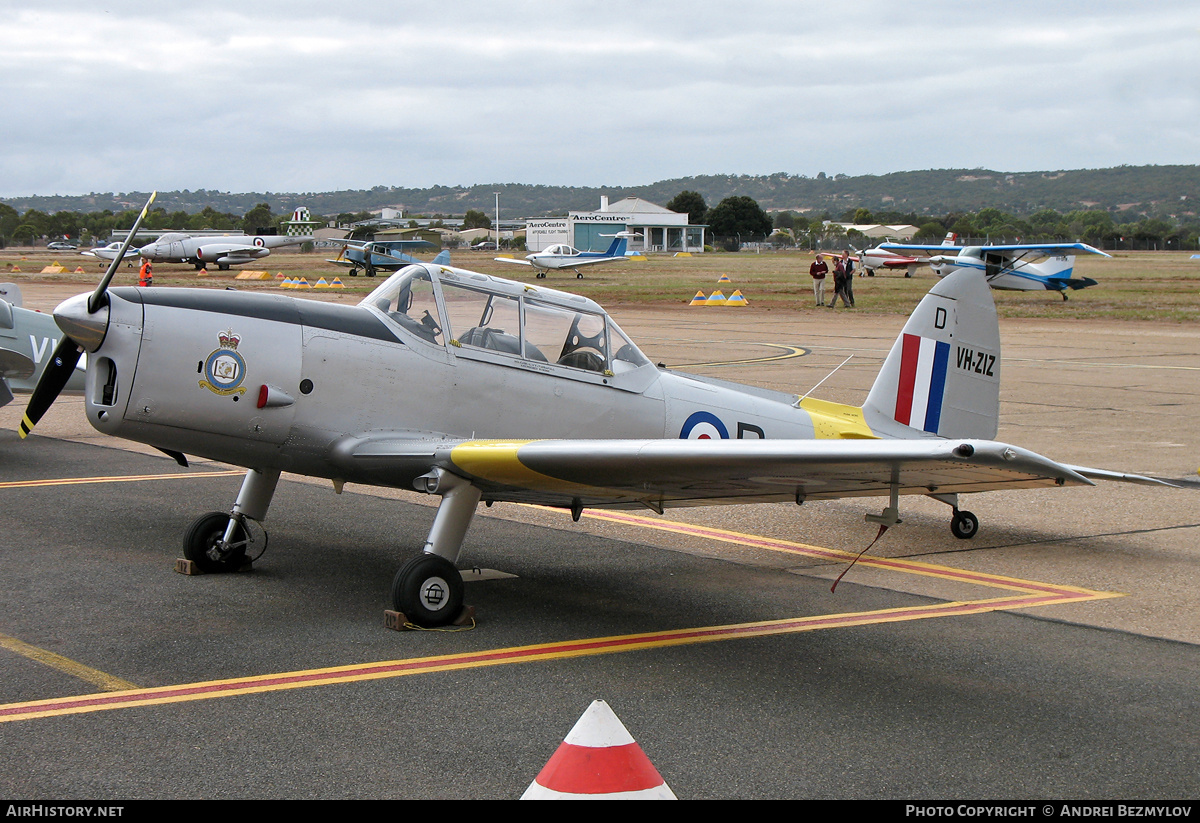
[908,274]
[429,590]
[578,276]
[204,533]
[964,525]
[223,266]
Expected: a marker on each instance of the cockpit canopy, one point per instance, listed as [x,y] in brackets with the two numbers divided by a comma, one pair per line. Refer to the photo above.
[562,249]
[444,306]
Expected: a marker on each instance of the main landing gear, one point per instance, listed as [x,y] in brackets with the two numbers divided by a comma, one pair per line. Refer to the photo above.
[428,589]
[217,542]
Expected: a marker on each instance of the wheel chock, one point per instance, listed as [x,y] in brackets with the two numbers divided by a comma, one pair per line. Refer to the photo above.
[399,622]
[185,566]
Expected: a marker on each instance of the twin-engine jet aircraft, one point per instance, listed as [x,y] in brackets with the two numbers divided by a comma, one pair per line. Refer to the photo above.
[562,256]
[1015,267]
[475,388]
[225,251]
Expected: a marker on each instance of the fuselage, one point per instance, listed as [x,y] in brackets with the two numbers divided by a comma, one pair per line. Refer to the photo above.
[268,381]
[225,250]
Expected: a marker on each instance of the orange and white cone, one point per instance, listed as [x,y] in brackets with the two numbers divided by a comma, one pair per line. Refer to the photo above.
[599,760]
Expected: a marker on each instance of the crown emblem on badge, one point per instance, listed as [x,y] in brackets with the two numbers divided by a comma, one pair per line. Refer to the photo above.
[229,340]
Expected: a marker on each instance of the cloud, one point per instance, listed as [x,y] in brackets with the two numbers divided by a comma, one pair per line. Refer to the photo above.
[313,96]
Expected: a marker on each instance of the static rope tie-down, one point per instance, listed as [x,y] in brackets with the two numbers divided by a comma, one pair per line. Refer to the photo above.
[882,529]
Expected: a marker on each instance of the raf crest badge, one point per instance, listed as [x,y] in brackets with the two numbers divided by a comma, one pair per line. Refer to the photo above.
[224,370]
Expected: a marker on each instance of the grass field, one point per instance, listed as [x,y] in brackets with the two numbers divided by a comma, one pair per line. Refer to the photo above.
[1156,286]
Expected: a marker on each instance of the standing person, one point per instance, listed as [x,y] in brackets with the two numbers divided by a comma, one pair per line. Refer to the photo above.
[818,270]
[146,273]
[839,284]
[849,265]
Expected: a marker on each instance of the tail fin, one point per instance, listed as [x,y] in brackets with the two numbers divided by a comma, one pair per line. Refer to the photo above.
[617,248]
[951,239]
[942,375]
[442,259]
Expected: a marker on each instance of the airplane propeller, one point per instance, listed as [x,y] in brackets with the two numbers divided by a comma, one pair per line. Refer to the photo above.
[69,349]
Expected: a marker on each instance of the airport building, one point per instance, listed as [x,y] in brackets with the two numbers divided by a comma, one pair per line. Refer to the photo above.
[659,229]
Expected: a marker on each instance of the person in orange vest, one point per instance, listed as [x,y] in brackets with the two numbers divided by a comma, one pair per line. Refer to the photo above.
[146,274]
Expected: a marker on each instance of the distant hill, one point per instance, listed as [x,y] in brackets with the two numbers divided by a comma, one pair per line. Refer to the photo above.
[1157,190]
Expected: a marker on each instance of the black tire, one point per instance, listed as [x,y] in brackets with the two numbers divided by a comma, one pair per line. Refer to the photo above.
[578,276]
[429,591]
[203,534]
[964,525]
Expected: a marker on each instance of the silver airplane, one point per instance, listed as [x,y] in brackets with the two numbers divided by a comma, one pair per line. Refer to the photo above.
[27,341]
[475,388]
[225,250]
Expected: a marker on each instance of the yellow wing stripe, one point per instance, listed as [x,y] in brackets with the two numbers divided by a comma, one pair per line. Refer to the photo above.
[497,461]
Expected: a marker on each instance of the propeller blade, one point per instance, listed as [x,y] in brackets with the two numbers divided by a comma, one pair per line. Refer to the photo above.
[96,300]
[58,372]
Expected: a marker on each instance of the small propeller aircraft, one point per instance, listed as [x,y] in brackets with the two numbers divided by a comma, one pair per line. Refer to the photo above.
[109,252]
[225,250]
[472,388]
[27,339]
[563,256]
[882,257]
[383,255]
[1014,267]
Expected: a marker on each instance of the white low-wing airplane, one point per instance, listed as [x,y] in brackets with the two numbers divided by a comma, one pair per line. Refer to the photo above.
[475,388]
[225,250]
[563,256]
[1014,267]
[110,251]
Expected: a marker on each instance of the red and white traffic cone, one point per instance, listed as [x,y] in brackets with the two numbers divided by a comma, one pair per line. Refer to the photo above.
[599,760]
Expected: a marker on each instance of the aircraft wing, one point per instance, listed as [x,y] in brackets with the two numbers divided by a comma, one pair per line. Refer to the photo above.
[905,248]
[591,261]
[1047,249]
[16,366]
[512,260]
[663,473]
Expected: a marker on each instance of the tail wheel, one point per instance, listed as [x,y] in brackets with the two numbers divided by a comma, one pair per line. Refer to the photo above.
[201,539]
[964,525]
[429,591]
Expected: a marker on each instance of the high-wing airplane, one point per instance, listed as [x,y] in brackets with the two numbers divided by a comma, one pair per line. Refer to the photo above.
[1013,267]
[27,339]
[472,388]
[383,255]
[562,256]
[225,251]
[110,251]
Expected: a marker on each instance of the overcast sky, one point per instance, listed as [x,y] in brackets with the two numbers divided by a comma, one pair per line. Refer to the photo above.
[100,95]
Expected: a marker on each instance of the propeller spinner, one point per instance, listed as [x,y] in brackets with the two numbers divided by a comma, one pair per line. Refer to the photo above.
[84,321]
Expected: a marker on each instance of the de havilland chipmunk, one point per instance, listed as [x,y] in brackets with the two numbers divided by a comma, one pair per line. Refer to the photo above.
[475,388]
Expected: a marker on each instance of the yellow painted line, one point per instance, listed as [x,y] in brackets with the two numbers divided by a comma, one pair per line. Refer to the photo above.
[836,555]
[788,353]
[126,478]
[559,650]
[1027,594]
[105,682]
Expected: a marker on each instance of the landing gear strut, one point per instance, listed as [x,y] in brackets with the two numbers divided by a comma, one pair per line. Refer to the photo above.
[216,542]
[428,589]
